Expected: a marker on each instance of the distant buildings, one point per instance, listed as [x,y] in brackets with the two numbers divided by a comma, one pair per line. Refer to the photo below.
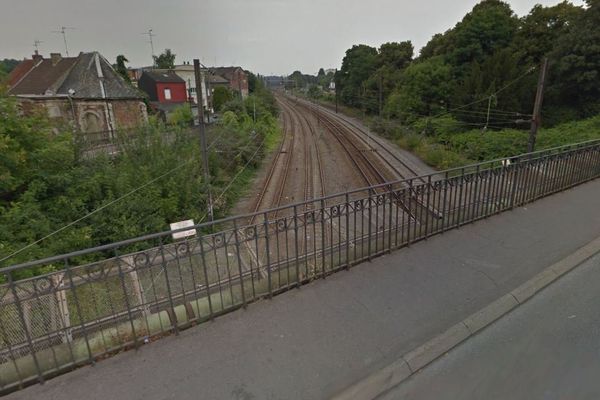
[237,77]
[234,78]
[84,90]
[208,79]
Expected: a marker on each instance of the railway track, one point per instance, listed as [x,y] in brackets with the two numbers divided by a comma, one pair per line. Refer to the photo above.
[368,165]
[369,139]
[285,147]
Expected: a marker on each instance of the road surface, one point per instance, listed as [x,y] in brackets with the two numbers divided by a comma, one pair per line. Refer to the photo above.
[549,348]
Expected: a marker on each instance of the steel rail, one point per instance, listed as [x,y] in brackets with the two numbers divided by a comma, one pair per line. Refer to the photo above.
[271,172]
[362,132]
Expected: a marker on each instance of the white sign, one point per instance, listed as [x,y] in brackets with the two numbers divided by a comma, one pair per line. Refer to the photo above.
[183,224]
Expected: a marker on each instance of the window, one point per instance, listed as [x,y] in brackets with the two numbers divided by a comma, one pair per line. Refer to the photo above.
[53,110]
[167,94]
[91,122]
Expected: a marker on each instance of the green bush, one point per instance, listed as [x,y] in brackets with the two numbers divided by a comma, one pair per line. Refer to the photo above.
[181,116]
[221,95]
[46,183]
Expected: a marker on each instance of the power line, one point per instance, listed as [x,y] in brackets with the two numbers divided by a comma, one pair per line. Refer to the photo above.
[236,176]
[486,98]
[494,112]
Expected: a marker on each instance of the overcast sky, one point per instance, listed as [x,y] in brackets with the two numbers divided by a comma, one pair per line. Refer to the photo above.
[265,36]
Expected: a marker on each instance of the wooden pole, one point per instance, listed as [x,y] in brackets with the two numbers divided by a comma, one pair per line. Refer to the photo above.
[203,137]
[537,107]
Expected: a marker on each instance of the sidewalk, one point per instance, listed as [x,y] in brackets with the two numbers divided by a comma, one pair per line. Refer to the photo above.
[545,349]
[312,342]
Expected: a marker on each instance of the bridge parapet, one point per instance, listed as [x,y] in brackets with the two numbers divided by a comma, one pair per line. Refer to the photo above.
[101,300]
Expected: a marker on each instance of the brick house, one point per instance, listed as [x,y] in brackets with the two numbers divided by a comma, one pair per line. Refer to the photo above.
[237,77]
[84,91]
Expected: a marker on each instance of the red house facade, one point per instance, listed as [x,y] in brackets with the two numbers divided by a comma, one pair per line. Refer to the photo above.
[163,87]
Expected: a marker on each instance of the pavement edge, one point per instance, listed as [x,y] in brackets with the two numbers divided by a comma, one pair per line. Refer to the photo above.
[393,374]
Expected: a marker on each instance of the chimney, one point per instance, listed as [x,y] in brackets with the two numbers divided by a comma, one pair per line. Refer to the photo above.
[36,56]
[55,57]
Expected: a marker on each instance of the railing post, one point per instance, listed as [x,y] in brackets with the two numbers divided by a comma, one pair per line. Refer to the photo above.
[427,207]
[297,247]
[239,260]
[323,234]
[515,182]
[460,197]
[126,297]
[168,284]
[63,307]
[138,289]
[73,287]
[347,200]
[268,253]
[408,211]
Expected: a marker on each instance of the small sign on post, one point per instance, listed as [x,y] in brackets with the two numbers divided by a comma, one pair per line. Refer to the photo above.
[180,225]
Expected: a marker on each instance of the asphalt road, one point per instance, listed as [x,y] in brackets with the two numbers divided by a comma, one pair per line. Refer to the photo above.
[549,348]
[313,342]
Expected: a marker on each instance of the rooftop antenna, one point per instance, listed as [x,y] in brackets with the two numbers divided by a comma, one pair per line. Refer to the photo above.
[36,44]
[150,35]
[63,31]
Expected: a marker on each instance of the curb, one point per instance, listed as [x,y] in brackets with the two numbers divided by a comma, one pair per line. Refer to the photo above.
[400,370]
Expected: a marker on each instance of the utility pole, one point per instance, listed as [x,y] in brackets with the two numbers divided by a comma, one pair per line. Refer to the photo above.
[209,104]
[336,91]
[190,97]
[380,93]
[203,137]
[489,108]
[537,107]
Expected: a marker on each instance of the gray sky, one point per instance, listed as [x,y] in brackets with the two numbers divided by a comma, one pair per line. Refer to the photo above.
[265,36]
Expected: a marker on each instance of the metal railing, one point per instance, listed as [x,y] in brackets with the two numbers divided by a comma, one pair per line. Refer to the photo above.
[108,298]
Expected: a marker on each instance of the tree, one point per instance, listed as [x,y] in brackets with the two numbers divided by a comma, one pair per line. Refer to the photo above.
[540,30]
[166,60]
[484,78]
[436,46]
[300,80]
[6,66]
[314,92]
[253,82]
[490,26]
[575,73]
[396,55]
[359,63]
[221,95]
[423,91]
[121,68]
